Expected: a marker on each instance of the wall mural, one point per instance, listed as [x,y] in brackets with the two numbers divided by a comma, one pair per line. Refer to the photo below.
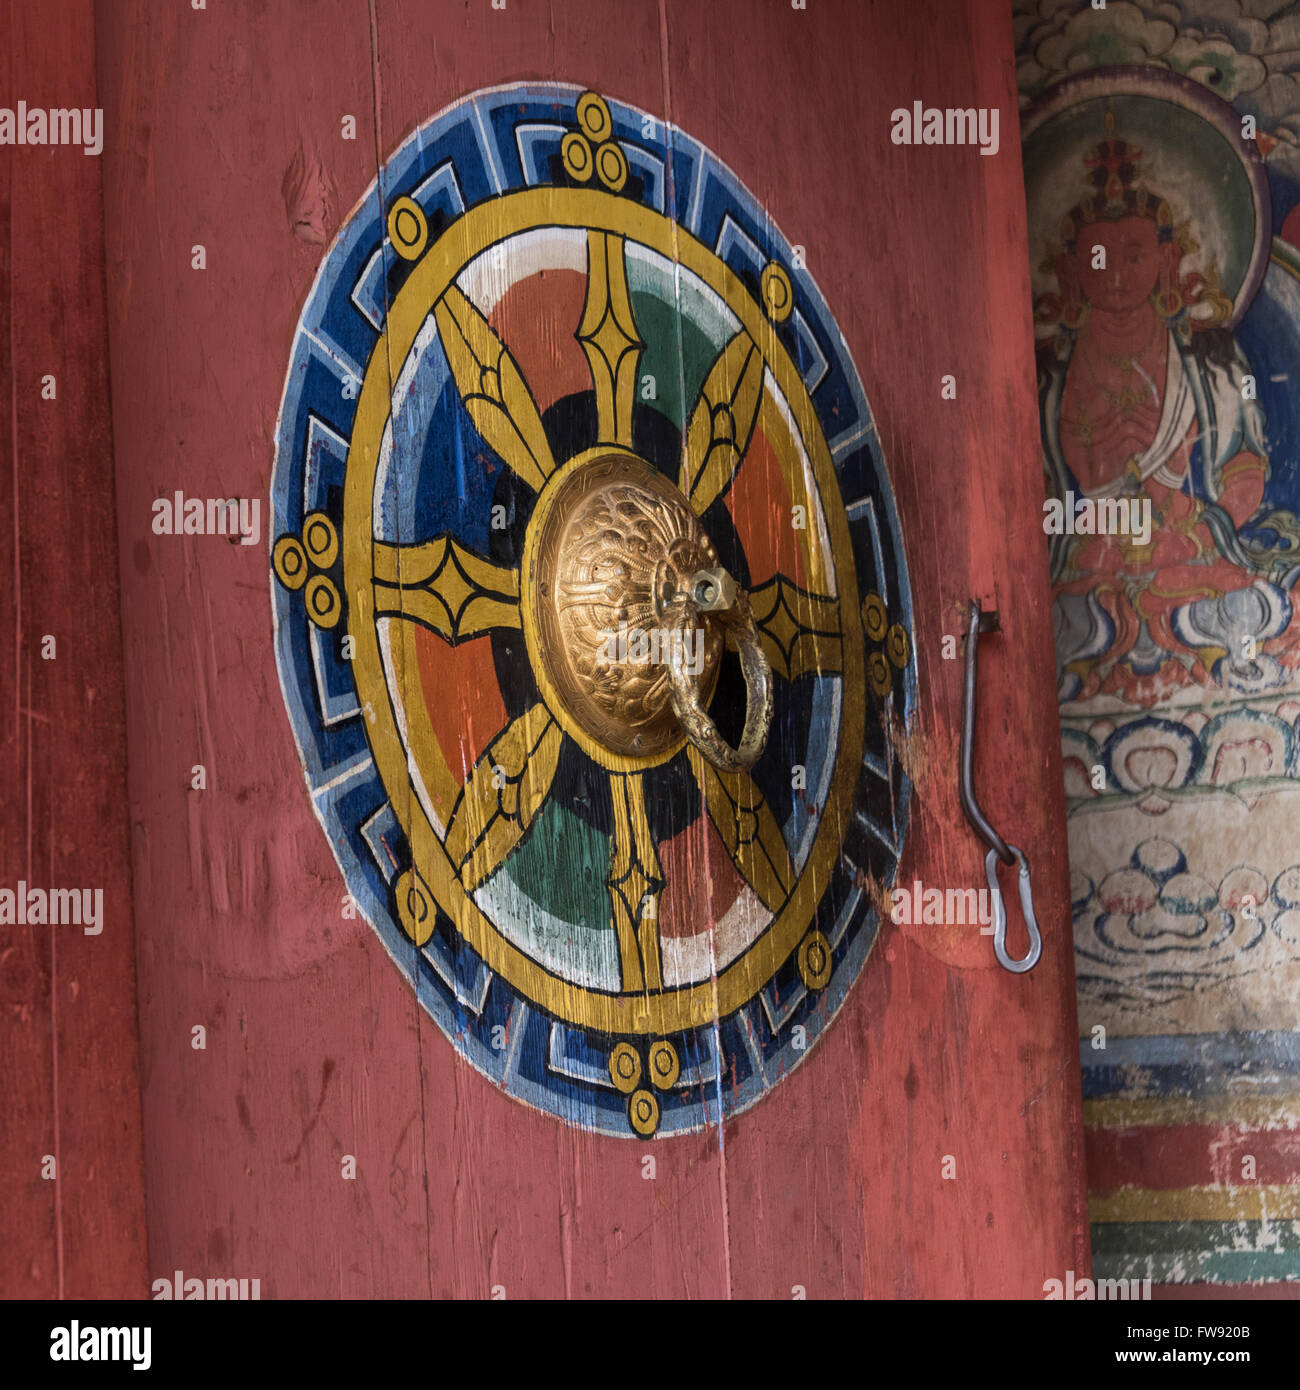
[556,362]
[1168,135]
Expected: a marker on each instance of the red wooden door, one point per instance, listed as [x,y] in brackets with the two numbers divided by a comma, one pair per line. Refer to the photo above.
[319,1132]
[70,1143]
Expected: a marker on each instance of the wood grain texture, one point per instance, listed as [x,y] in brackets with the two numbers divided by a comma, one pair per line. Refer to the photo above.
[545,1210]
[224,129]
[69,1086]
[919,251]
[312,1044]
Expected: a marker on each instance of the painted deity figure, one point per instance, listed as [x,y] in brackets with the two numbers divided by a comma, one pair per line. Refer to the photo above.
[1144,394]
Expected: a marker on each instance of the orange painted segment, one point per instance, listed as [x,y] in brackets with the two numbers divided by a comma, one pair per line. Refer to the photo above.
[696,859]
[525,319]
[761,507]
[462,699]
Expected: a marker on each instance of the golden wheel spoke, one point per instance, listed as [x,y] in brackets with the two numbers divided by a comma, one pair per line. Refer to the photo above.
[505,790]
[493,388]
[799,631]
[635,882]
[722,422]
[748,829]
[609,337]
[446,587]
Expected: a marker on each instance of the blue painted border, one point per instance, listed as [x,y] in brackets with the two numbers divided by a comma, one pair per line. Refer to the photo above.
[735,1062]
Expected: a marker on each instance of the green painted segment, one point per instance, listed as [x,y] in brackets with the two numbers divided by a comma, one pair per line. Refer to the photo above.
[1186,1252]
[658,323]
[562,865]
[1198,1267]
[680,347]
[1287,255]
[549,898]
[1167,1237]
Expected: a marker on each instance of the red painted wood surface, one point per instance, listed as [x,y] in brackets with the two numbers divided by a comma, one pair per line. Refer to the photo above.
[315,1046]
[938,1051]
[69,1078]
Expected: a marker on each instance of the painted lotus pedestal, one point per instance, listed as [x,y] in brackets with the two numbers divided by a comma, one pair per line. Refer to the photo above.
[515,432]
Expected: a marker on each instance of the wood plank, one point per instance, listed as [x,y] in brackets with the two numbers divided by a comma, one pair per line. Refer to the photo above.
[541,1209]
[70,1084]
[316,1047]
[226,130]
[834,1182]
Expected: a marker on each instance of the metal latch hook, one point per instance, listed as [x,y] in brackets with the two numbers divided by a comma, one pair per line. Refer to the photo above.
[982,621]
[1009,962]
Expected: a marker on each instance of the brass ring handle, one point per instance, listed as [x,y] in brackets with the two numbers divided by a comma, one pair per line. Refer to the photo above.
[685,692]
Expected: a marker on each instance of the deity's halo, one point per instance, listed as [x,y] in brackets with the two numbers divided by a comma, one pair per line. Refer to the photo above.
[1193,155]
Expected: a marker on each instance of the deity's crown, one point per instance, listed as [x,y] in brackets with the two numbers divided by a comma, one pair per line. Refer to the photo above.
[1114,166]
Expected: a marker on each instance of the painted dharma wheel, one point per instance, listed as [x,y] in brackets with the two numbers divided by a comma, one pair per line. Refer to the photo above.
[557,364]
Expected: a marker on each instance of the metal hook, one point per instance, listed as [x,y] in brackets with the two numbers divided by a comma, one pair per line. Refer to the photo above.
[982,621]
[1030,959]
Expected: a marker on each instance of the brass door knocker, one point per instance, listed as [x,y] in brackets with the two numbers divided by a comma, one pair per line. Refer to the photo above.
[626,613]
[715,592]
